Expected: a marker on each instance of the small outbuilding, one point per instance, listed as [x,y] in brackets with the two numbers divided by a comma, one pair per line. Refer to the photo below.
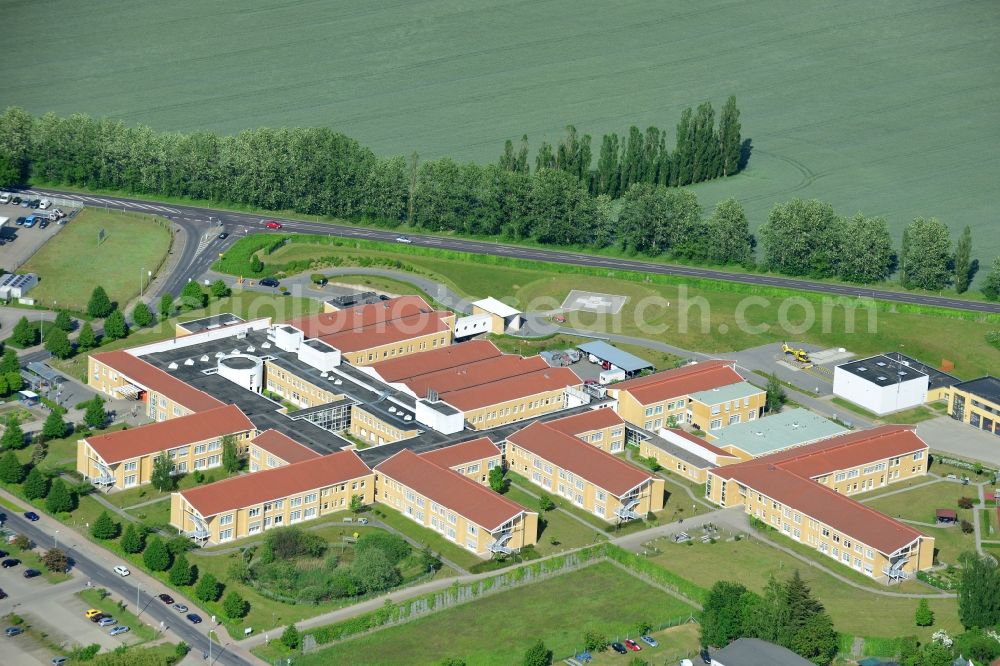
[947,516]
[503,317]
[612,358]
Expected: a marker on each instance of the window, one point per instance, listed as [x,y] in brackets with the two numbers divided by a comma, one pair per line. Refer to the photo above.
[254,512]
[309,513]
[472,529]
[735,418]
[296,501]
[294,516]
[130,480]
[254,528]
[226,519]
[310,498]
[200,448]
[918,455]
[130,466]
[226,535]
[715,424]
[840,476]
[452,519]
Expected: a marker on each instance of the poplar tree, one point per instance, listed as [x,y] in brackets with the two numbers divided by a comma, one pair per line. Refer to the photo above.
[963,261]
[730,142]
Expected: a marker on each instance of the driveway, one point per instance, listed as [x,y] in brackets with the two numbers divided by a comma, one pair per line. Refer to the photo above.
[950,436]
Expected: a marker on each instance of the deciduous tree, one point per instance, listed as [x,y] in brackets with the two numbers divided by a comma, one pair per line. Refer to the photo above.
[230,456]
[57,343]
[290,637]
[133,540]
[156,557]
[115,327]
[537,655]
[63,321]
[803,238]
[193,296]
[142,316]
[104,528]
[219,289]
[991,285]
[963,261]
[13,436]
[87,340]
[235,606]
[926,257]
[978,591]
[54,426]
[25,333]
[496,479]
[208,588]
[867,250]
[166,306]
[95,416]
[162,477]
[55,559]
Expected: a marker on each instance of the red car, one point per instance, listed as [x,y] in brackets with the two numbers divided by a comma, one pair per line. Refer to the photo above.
[272,224]
[632,645]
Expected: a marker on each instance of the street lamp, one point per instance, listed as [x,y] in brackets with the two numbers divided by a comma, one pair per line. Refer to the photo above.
[149,274]
[138,608]
[55,540]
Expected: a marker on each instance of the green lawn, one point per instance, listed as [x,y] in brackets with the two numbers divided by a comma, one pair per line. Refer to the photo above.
[155,515]
[377,282]
[751,563]
[71,264]
[498,628]
[907,416]
[703,315]
[427,537]
[401,81]
[558,525]
[147,493]
[988,520]
[921,503]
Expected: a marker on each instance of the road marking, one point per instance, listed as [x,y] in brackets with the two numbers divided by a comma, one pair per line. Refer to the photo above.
[138,205]
[206,239]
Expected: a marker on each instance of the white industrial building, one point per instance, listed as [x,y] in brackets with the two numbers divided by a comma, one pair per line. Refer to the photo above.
[880,384]
[13,285]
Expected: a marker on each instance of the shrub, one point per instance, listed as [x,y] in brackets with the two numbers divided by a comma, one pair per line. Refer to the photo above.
[291,637]
[965,502]
[235,606]
[394,546]
[56,560]
[208,588]
[545,503]
[967,527]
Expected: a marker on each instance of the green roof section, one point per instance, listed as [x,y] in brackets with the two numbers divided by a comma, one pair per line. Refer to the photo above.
[736,391]
[771,434]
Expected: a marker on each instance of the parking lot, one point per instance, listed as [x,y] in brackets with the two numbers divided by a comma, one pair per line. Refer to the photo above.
[20,243]
[54,610]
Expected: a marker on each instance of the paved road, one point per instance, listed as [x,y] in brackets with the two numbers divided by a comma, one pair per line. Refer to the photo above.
[200,220]
[99,573]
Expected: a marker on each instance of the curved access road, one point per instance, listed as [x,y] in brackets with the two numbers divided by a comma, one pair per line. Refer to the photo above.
[239,224]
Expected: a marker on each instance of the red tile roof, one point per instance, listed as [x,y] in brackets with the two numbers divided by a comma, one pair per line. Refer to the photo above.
[153,379]
[848,450]
[595,419]
[328,323]
[122,445]
[450,489]
[389,332]
[474,374]
[681,381]
[466,452]
[277,483]
[566,451]
[511,388]
[411,367]
[787,477]
[284,447]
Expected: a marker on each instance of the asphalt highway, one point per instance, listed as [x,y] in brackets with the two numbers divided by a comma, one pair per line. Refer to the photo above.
[199,222]
[100,574]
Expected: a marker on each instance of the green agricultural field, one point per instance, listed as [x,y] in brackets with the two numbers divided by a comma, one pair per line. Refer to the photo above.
[499,628]
[706,316]
[885,108]
[71,263]
[853,611]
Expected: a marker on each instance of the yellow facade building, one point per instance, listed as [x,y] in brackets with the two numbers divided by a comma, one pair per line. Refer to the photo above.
[272,449]
[285,495]
[124,458]
[459,509]
[802,493]
[473,459]
[977,403]
[593,480]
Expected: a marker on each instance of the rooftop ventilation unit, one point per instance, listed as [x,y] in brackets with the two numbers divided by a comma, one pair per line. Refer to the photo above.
[172,366]
[266,345]
[324,374]
[235,351]
[242,335]
[189,362]
[407,418]
[392,410]
[204,358]
[882,378]
[219,354]
[338,382]
[251,349]
[862,368]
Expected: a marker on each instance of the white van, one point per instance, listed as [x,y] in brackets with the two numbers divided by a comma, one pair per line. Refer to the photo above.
[4,198]
[44,204]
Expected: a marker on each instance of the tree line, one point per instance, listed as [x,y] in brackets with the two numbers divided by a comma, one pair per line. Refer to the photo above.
[702,151]
[630,200]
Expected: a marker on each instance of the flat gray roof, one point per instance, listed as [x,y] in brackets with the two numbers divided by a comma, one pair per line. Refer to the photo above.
[755,652]
[208,323]
[986,387]
[936,378]
[794,427]
[882,370]
[736,391]
[614,356]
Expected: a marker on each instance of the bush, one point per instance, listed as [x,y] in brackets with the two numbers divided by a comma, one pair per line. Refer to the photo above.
[291,637]
[86,653]
[56,560]
[290,542]
[545,503]
[235,607]
[965,502]
[395,547]
[967,527]
[208,588]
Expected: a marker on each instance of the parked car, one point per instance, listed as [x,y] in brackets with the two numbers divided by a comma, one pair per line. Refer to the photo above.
[166,598]
[180,608]
[31,573]
[97,618]
[43,224]
[705,656]
[4,198]
[19,221]
[632,645]
[118,631]
[54,215]
[122,570]
[29,221]
[31,515]
[10,562]
[4,553]
[194,618]
[223,236]
[58,213]
[91,612]
[269,282]
[403,239]
[106,621]
[59,661]
[44,204]
[272,224]
[3,595]
[619,648]
[649,640]
[34,204]
[14,631]
[16,200]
